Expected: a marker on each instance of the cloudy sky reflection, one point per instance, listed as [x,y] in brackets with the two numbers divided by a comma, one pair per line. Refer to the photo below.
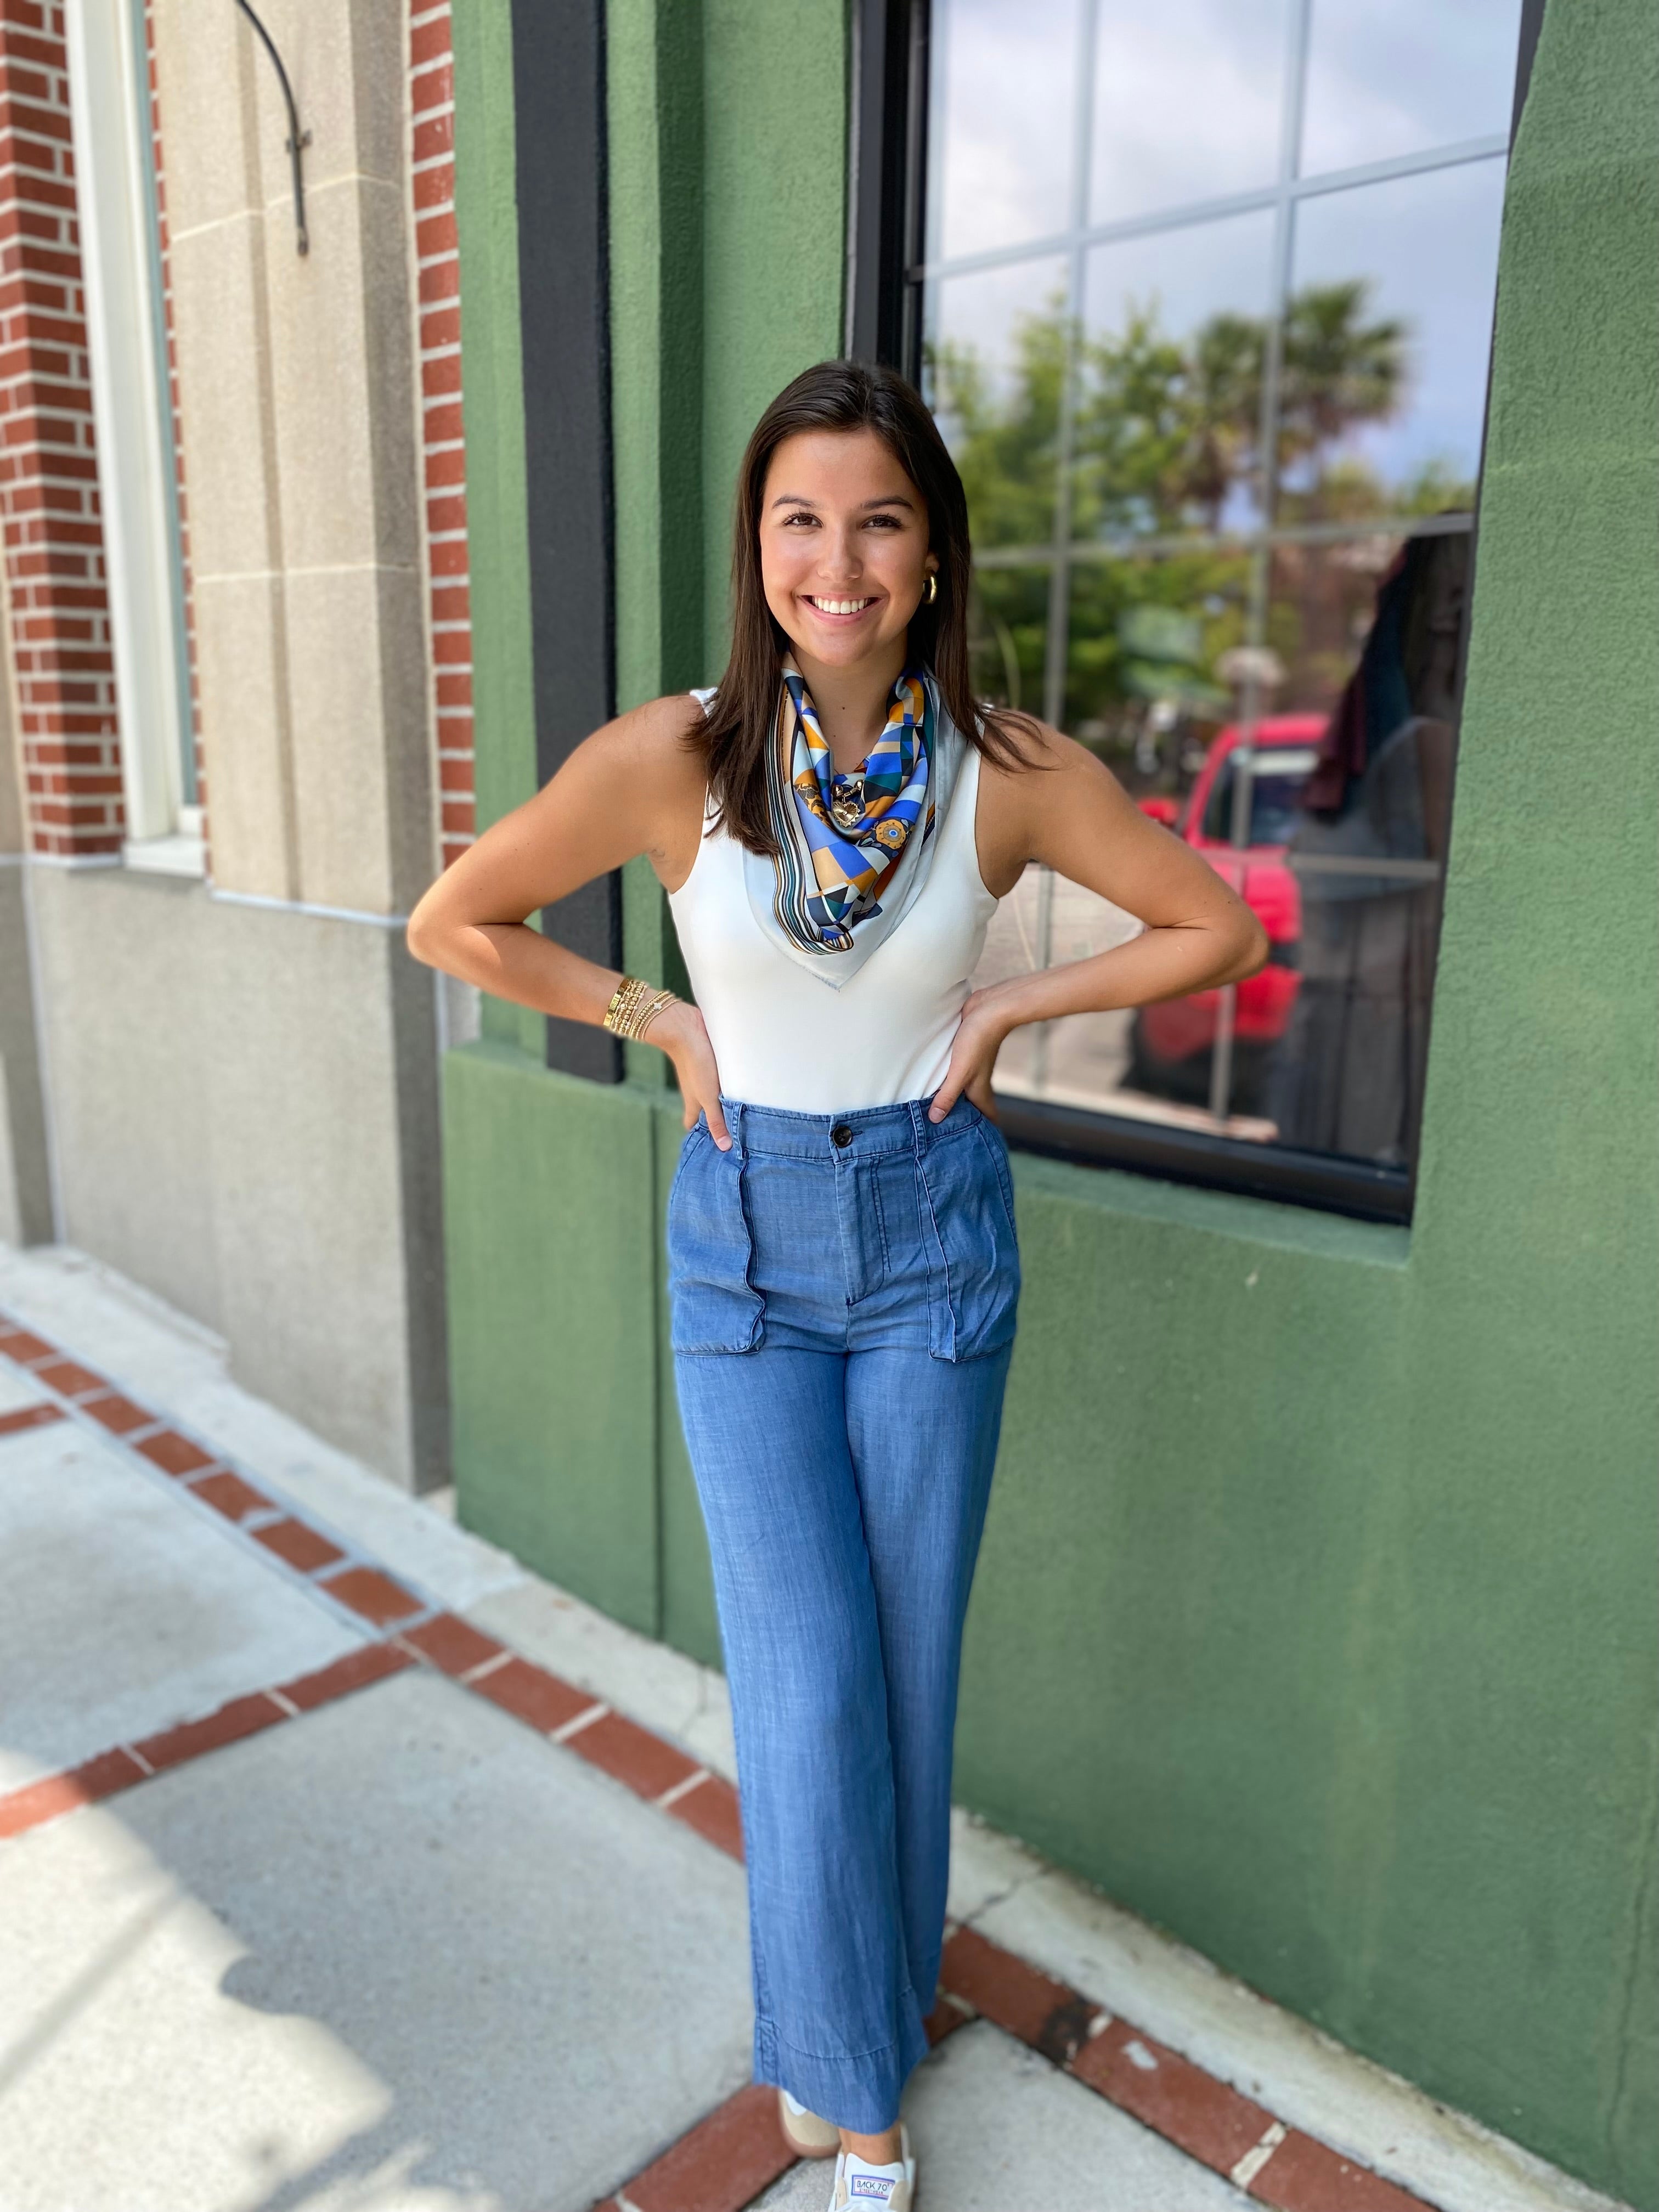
[1187,107]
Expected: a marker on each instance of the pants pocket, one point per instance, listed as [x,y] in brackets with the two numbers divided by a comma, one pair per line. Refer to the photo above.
[713,1306]
[973,1253]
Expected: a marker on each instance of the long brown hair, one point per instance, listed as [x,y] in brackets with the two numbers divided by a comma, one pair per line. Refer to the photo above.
[843,395]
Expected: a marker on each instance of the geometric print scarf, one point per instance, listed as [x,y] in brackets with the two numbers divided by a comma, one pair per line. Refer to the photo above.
[840,837]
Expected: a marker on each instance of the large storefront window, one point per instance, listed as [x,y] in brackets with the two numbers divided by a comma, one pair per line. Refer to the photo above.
[1206,296]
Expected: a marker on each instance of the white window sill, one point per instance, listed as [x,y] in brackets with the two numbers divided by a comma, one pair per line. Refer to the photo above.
[178,854]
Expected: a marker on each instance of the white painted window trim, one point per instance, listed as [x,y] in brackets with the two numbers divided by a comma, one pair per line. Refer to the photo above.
[108,102]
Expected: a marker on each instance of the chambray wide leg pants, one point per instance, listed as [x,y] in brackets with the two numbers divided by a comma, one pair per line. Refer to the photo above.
[843,1292]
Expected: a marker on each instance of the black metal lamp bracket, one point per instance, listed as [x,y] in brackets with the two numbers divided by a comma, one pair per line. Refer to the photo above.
[296,138]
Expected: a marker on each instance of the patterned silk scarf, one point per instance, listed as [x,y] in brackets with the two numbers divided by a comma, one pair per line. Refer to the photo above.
[840,842]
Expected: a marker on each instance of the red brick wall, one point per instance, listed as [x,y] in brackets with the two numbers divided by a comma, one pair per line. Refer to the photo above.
[53,541]
[444,455]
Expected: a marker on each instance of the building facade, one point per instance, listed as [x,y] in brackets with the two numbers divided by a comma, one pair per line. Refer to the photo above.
[237,732]
[1300,359]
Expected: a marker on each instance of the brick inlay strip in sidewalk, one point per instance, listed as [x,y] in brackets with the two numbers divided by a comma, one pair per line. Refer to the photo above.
[580,1723]
[718,2166]
[117,1769]
[354,1587]
[728,2158]
[28,1417]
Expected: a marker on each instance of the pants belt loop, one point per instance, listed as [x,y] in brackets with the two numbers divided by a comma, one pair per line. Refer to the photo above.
[733,1110]
[920,1128]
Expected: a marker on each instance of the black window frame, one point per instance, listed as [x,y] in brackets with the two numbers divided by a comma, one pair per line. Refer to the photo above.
[563,255]
[887,168]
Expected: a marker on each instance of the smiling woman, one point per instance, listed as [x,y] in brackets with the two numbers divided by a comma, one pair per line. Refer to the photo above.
[834,824]
[796,514]
[853,544]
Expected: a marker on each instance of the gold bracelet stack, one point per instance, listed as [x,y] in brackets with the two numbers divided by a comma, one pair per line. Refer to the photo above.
[634,1006]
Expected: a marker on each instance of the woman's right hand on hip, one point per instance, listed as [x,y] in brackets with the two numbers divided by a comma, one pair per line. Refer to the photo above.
[682,1033]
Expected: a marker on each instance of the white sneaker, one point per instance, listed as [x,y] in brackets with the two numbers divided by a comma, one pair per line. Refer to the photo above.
[806,2135]
[879,2188]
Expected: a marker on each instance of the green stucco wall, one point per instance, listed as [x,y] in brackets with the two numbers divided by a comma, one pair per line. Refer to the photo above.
[1316,1616]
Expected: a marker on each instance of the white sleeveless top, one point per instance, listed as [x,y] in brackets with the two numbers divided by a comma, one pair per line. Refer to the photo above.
[784,1035]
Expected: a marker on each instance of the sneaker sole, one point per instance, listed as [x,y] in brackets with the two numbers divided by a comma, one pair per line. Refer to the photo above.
[801,2148]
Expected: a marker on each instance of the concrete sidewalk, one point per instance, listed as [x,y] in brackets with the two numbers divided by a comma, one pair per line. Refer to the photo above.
[438,1908]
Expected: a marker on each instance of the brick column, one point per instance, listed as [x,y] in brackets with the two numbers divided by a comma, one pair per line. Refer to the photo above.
[68,730]
[432,165]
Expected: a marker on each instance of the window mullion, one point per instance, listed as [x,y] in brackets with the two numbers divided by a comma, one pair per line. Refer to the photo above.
[1056,643]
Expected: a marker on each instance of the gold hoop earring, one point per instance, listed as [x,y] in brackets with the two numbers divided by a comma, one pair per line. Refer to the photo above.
[932,592]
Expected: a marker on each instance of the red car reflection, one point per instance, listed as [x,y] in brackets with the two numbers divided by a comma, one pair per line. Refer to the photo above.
[1172,1040]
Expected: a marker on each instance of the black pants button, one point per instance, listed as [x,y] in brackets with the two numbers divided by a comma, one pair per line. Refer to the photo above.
[841,1134]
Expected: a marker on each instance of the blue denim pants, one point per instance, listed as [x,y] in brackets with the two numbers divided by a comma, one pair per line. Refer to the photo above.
[842,1290]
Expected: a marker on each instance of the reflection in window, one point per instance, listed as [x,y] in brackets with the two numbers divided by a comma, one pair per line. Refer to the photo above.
[1218,409]
[1188,101]
[1390,318]
[1277,775]
[1364,855]
[995,337]
[999,169]
[1405,78]
[1168,379]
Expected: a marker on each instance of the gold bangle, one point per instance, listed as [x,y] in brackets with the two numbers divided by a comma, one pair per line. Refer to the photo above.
[634,1006]
[624,1002]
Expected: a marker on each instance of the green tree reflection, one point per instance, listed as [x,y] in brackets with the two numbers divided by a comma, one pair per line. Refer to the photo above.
[1166,443]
